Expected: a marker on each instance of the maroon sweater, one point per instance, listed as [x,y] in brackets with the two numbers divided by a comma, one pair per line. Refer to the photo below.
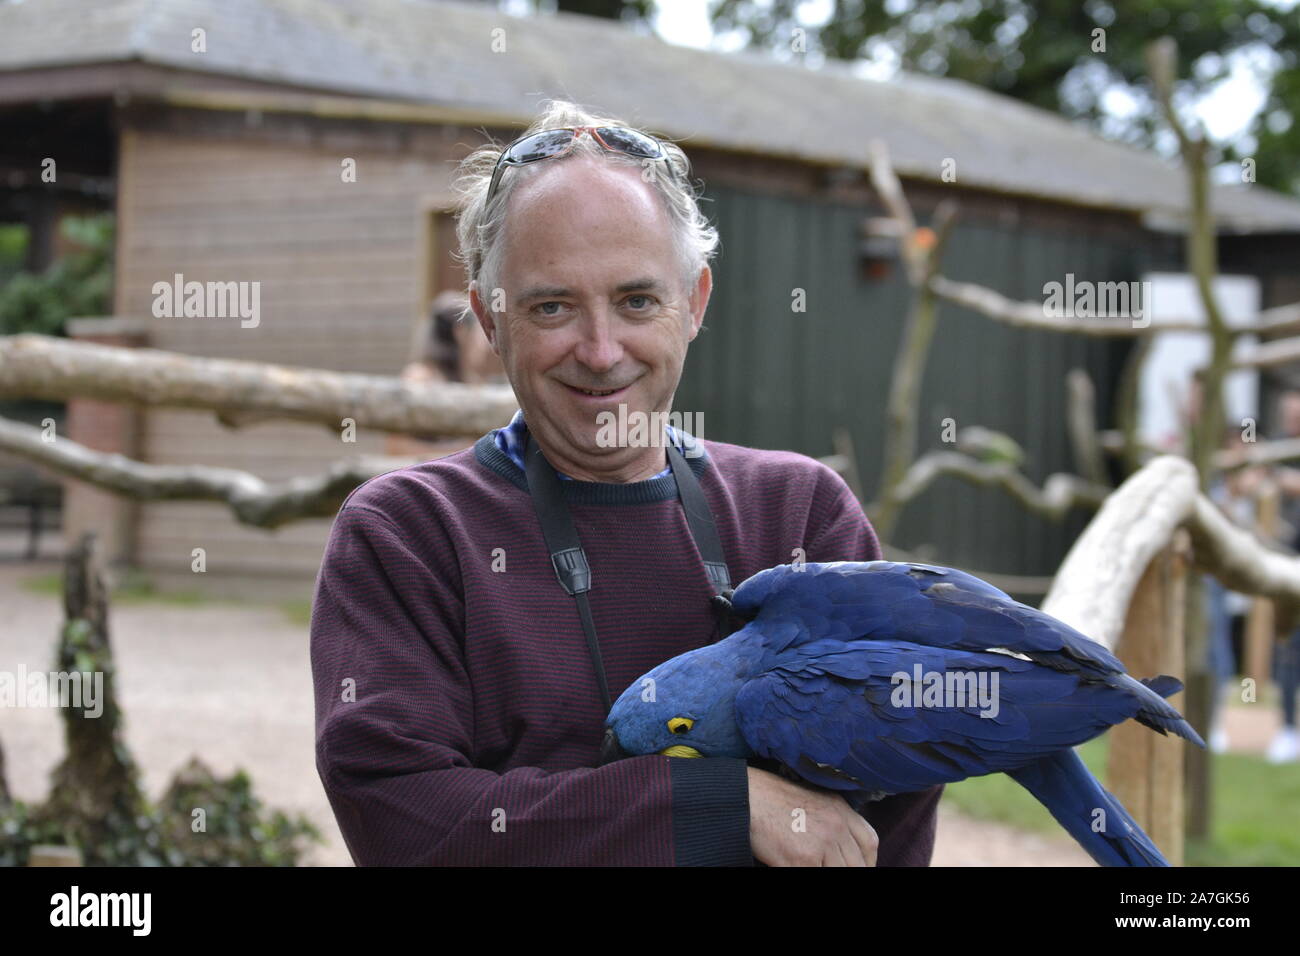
[458,717]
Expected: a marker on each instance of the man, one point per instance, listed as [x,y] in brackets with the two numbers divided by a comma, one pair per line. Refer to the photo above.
[459,711]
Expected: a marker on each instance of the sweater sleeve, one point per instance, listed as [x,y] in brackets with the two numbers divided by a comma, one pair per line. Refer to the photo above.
[838,530]
[395,750]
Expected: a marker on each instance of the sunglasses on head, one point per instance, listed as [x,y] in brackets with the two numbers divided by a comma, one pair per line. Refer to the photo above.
[550,143]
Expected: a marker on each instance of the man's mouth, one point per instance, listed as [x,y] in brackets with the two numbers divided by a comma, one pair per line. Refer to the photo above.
[596,393]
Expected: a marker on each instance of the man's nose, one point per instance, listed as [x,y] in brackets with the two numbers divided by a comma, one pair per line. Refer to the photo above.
[600,349]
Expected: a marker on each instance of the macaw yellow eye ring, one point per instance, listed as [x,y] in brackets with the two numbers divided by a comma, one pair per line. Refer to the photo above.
[679,725]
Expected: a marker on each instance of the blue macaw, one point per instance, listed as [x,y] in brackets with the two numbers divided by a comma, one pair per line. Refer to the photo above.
[874,678]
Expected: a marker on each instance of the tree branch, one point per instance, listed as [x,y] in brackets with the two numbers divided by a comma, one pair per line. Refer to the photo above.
[1059,493]
[1030,315]
[37,366]
[1081,420]
[252,500]
[1095,583]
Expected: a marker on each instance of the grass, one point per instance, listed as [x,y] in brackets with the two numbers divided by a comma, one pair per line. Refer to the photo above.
[998,798]
[1256,807]
[138,589]
[298,612]
[134,589]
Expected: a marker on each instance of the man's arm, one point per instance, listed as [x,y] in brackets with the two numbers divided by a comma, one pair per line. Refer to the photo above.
[394,740]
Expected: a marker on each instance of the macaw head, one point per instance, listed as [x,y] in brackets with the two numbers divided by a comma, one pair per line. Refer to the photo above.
[685,707]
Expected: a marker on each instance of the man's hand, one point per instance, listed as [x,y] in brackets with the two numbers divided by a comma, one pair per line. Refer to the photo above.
[824,832]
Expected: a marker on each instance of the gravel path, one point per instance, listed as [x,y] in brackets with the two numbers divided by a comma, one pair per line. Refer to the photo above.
[229,682]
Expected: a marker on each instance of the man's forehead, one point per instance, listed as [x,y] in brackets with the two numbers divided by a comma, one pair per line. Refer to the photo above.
[581,184]
[590,226]
[545,290]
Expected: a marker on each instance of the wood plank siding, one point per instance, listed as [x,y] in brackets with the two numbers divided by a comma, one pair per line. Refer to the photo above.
[342,269]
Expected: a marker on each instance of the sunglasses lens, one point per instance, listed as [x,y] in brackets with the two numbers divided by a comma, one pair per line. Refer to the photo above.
[630,141]
[553,142]
[539,146]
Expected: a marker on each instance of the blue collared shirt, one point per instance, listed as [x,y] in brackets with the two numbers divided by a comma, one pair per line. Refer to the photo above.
[511,441]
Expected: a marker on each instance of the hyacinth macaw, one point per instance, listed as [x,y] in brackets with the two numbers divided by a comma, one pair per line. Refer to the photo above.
[874,678]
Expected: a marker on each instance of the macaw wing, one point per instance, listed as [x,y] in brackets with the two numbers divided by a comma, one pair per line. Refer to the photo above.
[830,712]
[922,604]
[1038,636]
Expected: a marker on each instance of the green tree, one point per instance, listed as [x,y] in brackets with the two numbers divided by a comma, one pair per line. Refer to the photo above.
[79,284]
[1045,52]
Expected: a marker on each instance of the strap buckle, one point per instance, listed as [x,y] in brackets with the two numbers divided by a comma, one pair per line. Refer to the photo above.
[572,569]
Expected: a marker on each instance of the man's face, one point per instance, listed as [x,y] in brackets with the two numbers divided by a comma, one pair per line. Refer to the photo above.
[594,302]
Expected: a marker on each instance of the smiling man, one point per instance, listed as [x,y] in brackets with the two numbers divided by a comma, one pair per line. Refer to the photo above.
[464,649]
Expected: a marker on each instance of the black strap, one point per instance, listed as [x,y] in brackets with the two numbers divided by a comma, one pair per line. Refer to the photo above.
[570,561]
[700,520]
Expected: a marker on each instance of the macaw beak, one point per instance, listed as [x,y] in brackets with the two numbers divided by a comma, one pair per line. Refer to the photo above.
[610,749]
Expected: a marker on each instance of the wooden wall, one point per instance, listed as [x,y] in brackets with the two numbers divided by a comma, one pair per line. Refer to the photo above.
[248,198]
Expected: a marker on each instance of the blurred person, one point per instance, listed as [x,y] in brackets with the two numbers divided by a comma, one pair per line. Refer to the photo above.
[453,349]
[1235,494]
[1188,406]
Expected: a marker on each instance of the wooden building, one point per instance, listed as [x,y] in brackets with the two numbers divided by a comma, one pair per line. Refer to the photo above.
[218,130]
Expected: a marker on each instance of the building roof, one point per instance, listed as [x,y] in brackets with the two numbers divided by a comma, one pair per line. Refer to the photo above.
[441,52]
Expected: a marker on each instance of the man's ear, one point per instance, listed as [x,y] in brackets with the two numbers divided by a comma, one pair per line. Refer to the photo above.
[699,300]
[485,317]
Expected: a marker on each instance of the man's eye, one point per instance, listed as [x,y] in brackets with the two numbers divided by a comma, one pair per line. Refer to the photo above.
[645,299]
[542,309]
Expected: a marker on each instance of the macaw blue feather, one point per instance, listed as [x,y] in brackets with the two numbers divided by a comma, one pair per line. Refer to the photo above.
[872,678]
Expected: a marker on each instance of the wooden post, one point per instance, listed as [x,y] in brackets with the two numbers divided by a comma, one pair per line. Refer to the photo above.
[1257,646]
[1145,769]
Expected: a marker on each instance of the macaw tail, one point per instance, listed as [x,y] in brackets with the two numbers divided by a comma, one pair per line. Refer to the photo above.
[1088,812]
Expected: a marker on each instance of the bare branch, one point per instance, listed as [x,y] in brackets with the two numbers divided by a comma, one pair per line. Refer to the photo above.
[1031,315]
[1059,493]
[1094,585]
[37,366]
[890,190]
[1277,320]
[1259,453]
[1268,354]
[1202,260]
[1241,560]
[252,500]
[1081,420]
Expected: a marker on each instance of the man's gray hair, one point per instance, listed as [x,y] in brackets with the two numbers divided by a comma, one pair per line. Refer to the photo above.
[479,228]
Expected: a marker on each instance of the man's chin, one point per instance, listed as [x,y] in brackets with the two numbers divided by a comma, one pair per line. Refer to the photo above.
[600,447]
